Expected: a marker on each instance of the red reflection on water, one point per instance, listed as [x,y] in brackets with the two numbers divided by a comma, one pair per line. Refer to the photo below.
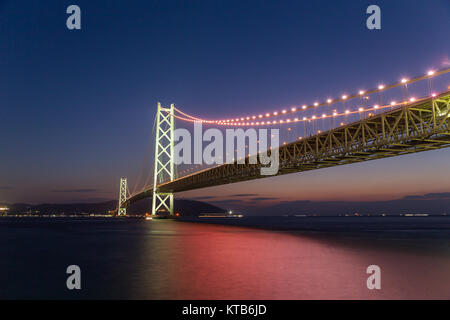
[222,262]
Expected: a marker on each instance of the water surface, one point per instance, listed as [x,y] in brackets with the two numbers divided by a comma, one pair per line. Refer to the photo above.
[137,259]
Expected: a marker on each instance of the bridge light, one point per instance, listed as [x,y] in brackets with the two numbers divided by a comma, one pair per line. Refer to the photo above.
[433,94]
[393,103]
[284,111]
[313,117]
[404,80]
[361,109]
[253,117]
[303,107]
[293,109]
[267,114]
[347,111]
[296,119]
[412,99]
[361,92]
[260,116]
[288,120]
[304,118]
[376,106]
[430,73]
[334,114]
[316,104]
[299,138]
[380,87]
[324,115]
[344,97]
[248,118]
[329,100]
[275,113]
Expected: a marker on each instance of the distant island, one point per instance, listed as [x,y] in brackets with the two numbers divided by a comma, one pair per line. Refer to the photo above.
[431,204]
[186,208]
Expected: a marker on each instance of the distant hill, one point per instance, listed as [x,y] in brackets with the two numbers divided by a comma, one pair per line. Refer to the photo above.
[63,208]
[433,205]
[183,206]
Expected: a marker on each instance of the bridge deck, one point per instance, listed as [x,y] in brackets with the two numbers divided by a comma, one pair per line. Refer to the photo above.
[421,126]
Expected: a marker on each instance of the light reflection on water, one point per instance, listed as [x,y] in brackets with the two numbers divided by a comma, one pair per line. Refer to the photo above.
[139,259]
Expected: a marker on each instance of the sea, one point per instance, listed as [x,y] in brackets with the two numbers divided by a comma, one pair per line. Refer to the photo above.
[226,258]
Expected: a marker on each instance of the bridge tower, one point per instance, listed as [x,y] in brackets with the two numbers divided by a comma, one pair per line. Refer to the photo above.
[122,196]
[164,159]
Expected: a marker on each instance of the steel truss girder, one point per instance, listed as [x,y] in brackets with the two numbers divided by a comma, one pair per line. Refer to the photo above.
[418,127]
[414,128]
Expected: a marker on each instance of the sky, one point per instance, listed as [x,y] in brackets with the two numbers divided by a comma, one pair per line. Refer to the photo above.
[77,106]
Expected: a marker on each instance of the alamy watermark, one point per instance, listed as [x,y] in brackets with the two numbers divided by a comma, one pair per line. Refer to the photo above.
[74,280]
[74,20]
[374,280]
[374,20]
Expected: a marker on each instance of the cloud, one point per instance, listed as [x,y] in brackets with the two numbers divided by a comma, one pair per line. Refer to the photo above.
[203,198]
[244,195]
[6,188]
[428,196]
[263,198]
[75,190]
[91,200]
[226,201]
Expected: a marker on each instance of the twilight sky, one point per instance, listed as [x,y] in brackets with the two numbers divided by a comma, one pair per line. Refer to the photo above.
[77,107]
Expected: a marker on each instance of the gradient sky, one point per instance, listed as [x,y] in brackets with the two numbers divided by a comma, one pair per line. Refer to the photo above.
[77,107]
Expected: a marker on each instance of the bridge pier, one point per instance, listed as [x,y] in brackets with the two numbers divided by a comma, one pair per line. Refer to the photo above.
[162,202]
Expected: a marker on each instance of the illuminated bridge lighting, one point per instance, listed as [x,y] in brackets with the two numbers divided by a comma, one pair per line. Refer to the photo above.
[313,117]
[327,102]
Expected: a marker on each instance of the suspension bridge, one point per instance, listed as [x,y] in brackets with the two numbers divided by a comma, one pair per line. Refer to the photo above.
[352,128]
